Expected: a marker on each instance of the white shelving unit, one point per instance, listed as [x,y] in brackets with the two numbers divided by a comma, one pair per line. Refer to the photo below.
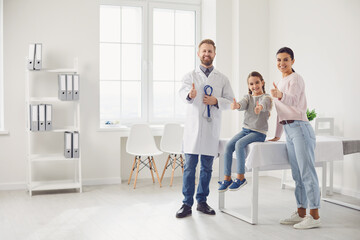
[73,107]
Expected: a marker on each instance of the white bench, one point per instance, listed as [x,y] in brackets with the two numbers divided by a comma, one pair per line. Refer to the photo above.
[264,156]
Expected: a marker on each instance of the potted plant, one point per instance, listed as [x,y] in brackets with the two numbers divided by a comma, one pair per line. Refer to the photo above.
[311,115]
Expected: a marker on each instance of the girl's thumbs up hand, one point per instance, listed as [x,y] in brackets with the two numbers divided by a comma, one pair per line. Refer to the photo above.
[258,108]
[234,105]
[276,93]
[192,93]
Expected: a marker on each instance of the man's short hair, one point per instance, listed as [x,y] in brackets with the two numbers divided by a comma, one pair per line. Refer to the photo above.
[207,41]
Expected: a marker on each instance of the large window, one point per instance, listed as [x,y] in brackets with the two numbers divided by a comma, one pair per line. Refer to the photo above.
[145,50]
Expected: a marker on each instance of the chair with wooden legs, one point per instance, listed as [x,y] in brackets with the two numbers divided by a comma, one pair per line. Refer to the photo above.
[171,143]
[141,144]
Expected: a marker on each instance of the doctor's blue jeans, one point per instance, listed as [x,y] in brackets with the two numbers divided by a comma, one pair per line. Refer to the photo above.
[238,144]
[300,145]
[191,161]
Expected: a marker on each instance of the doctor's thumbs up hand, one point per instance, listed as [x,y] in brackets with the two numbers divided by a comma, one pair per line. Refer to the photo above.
[275,92]
[258,108]
[192,93]
[234,105]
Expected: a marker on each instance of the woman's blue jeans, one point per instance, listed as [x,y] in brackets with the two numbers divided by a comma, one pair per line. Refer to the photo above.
[191,161]
[300,145]
[238,143]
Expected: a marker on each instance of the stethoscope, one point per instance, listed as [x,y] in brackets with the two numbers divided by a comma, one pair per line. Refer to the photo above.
[208,91]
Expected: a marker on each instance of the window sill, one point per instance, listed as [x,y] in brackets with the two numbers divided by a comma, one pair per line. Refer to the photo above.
[157,130]
[4,132]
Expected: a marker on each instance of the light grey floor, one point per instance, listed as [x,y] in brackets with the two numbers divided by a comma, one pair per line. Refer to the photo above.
[148,212]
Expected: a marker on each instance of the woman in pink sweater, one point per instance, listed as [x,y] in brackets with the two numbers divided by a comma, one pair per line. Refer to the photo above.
[290,102]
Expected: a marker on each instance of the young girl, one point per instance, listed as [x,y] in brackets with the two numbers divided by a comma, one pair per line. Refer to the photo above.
[257,106]
[290,102]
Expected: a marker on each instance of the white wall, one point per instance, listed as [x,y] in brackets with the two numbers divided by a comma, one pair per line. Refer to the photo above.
[208,19]
[242,47]
[252,41]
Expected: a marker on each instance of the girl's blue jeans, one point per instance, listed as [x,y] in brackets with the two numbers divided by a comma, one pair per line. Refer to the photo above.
[238,144]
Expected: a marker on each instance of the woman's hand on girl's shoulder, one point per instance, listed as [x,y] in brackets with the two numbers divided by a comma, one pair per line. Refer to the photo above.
[274,139]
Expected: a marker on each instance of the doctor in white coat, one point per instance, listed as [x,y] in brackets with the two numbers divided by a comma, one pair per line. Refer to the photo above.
[207,92]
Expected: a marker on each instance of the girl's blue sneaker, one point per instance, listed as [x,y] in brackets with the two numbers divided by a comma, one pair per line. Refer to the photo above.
[237,184]
[224,185]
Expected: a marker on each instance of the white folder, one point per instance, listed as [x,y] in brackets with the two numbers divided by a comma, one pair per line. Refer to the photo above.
[42,117]
[69,87]
[31,57]
[34,118]
[75,146]
[48,117]
[67,144]
[76,85]
[38,56]
[62,86]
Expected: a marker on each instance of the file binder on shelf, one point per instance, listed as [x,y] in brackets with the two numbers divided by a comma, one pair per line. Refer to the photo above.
[31,57]
[38,56]
[68,145]
[76,85]
[48,117]
[41,109]
[69,87]
[75,146]
[34,121]
[62,87]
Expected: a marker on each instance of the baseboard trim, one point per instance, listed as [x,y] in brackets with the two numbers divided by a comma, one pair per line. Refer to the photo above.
[86,182]
[101,181]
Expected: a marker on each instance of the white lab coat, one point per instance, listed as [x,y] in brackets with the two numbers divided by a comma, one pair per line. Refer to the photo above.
[201,136]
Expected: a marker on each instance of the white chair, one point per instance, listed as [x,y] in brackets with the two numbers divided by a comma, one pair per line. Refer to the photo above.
[141,144]
[325,126]
[171,143]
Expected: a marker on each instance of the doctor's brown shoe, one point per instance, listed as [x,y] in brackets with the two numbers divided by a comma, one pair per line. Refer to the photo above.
[184,211]
[205,208]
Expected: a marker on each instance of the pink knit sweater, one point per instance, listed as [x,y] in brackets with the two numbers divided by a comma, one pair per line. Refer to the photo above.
[292,105]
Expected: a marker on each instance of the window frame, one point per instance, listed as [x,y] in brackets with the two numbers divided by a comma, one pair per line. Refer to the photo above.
[147,55]
[172,6]
[144,54]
